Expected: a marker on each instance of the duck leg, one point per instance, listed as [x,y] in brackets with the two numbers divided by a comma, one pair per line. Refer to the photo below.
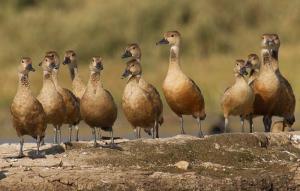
[200,134]
[95,136]
[181,125]
[242,124]
[226,124]
[70,133]
[55,135]
[99,134]
[251,124]
[77,132]
[153,132]
[138,132]
[267,123]
[112,138]
[156,129]
[38,142]
[59,135]
[21,154]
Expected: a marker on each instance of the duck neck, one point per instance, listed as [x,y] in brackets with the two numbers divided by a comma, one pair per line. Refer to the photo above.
[24,81]
[134,79]
[266,60]
[174,60]
[239,78]
[55,77]
[47,76]
[95,79]
[73,70]
[274,54]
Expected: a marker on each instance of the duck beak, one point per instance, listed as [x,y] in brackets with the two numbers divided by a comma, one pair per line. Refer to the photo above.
[67,60]
[243,71]
[125,74]
[30,68]
[248,64]
[126,54]
[99,66]
[162,41]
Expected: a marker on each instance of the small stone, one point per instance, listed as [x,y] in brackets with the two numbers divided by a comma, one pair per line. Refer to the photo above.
[217,146]
[84,153]
[184,165]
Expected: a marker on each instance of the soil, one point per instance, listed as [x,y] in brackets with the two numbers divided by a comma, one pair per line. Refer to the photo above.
[241,161]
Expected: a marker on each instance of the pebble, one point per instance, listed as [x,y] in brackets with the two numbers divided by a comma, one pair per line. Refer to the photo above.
[217,146]
[184,165]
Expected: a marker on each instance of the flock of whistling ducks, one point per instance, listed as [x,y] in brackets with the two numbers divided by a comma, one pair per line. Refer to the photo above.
[259,90]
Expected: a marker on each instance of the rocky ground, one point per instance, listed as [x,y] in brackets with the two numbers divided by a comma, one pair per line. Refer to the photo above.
[220,162]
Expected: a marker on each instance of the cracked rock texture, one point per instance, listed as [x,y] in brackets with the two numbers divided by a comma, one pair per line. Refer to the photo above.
[256,161]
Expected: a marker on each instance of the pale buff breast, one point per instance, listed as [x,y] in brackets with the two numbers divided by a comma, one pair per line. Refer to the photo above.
[238,100]
[266,85]
[53,104]
[28,115]
[138,106]
[98,107]
[78,87]
[181,95]
[266,89]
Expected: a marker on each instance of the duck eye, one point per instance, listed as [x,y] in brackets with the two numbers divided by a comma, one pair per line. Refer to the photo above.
[22,61]
[172,35]
[133,48]
[73,54]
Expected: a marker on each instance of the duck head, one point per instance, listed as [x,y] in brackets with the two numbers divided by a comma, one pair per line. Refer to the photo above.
[133,69]
[96,64]
[240,67]
[171,38]
[270,44]
[26,65]
[56,57]
[253,62]
[132,50]
[70,58]
[48,64]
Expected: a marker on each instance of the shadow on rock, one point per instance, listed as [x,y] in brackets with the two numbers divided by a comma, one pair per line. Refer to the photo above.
[2,175]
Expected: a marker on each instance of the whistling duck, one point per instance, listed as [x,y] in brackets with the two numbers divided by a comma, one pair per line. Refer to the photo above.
[77,84]
[253,62]
[72,116]
[273,93]
[133,50]
[182,94]
[97,105]
[27,112]
[239,98]
[138,101]
[51,99]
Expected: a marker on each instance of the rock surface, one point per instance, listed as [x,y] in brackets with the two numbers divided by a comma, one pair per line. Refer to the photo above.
[219,162]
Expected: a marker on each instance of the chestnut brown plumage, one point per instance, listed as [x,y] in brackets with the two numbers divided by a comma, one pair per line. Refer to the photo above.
[51,99]
[238,99]
[72,117]
[97,105]
[78,86]
[142,88]
[273,93]
[27,112]
[182,94]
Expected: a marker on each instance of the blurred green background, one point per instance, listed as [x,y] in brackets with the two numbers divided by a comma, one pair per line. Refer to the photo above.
[214,33]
